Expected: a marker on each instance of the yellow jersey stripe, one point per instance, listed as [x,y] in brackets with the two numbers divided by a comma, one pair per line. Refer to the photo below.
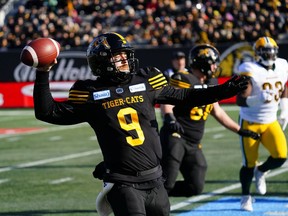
[155,77]
[159,85]
[179,84]
[77,99]
[77,95]
[80,92]
[158,81]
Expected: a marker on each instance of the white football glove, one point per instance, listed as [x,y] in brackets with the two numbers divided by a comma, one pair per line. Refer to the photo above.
[265,96]
[283,117]
[102,205]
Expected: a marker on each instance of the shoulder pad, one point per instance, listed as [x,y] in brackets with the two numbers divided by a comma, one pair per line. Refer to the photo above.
[156,78]
[246,69]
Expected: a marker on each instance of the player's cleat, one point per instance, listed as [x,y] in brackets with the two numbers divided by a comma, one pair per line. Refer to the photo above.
[246,203]
[260,181]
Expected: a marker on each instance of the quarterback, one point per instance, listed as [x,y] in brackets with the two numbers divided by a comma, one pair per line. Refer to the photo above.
[119,106]
[258,112]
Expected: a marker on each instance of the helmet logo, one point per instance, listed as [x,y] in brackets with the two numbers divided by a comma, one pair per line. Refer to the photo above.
[204,52]
[102,41]
[207,53]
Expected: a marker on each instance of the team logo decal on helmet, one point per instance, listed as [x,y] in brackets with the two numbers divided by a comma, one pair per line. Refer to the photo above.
[208,52]
[102,41]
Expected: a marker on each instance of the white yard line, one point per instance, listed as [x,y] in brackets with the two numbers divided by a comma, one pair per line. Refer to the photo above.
[60,181]
[3,181]
[50,160]
[201,197]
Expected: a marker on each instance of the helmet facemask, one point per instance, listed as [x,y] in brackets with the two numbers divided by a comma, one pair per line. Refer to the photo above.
[266,50]
[122,66]
[267,55]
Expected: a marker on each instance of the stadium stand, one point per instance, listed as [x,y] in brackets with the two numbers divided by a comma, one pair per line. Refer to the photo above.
[74,23]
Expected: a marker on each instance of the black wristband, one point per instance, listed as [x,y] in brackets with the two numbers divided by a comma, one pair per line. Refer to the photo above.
[169,117]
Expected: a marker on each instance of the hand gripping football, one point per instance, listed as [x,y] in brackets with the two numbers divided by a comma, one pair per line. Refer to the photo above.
[40,52]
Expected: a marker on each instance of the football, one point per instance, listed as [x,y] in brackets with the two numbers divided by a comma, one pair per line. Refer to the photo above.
[40,52]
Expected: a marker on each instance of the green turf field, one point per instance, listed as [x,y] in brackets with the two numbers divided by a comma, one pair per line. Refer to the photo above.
[47,169]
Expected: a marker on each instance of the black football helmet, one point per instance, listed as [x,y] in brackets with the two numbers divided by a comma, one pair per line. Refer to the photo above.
[99,56]
[202,56]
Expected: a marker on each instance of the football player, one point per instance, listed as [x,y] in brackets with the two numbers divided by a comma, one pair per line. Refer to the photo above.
[119,106]
[258,112]
[182,133]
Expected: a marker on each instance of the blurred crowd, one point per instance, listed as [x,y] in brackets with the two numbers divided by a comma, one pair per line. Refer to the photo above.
[74,23]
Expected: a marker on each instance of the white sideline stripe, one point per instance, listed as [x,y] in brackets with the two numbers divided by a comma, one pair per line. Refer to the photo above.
[187,202]
[62,180]
[51,160]
[3,181]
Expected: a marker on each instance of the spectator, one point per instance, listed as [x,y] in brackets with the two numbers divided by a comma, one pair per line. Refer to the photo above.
[168,22]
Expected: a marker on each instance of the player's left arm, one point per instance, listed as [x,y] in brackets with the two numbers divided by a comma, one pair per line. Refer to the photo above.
[197,97]
[224,119]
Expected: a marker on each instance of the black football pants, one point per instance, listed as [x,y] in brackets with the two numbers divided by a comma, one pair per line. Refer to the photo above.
[189,159]
[131,200]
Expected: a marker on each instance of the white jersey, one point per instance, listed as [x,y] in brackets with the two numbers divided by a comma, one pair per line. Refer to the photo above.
[262,79]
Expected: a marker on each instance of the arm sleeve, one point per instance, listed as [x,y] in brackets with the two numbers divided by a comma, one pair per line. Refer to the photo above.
[47,109]
[191,97]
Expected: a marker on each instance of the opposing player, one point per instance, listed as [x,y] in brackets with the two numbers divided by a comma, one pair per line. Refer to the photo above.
[182,134]
[258,112]
[119,106]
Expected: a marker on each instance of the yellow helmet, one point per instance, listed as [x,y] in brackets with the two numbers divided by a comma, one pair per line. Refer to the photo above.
[266,50]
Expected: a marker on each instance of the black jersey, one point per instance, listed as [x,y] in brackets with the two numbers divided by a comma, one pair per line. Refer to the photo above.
[192,119]
[122,116]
